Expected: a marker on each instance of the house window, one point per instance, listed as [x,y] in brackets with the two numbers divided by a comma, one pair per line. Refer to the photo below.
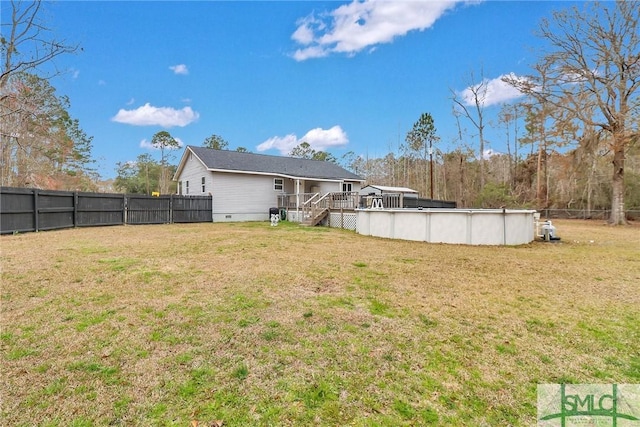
[186,187]
[346,187]
[278,184]
[203,184]
[180,188]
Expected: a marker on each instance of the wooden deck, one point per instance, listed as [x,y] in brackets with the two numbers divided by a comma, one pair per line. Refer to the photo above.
[314,207]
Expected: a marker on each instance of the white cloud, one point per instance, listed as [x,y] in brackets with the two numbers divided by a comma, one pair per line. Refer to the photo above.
[283,143]
[310,52]
[364,24]
[148,115]
[149,146]
[492,92]
[179,69]
[318,138]
[489,152]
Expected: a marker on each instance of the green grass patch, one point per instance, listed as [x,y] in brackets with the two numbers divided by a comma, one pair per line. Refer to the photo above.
[93,368]
[428,322]
[87,319]
[241,372]
[379,308]
[243,323]
[119,264]
[19,353]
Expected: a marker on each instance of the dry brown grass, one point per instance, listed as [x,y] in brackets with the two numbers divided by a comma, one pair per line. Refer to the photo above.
[259,325]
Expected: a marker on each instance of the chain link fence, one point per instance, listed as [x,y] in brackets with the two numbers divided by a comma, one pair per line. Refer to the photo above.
[633,215]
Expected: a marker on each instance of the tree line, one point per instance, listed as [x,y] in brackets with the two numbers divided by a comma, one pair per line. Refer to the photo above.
[146,175]
[42,145]
[572,142]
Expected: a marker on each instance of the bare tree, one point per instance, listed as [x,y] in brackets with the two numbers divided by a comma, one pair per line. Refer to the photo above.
[536,119]
[26,43]
[510,116]
[476,94]
[592,67]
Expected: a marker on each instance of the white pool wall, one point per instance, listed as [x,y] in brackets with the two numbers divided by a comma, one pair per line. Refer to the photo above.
[454,226]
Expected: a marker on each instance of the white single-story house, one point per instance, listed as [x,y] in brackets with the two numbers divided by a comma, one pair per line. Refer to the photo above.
[245,186]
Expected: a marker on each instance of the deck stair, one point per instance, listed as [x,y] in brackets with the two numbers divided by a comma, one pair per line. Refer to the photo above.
[316,217]
[313,208]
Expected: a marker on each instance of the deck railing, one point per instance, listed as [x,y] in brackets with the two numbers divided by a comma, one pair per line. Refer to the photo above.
[318,206]
[311,204]
[334,201]
[389,201]
[314,203]
[399,201]
[307,206]
[290,201]
[343,200]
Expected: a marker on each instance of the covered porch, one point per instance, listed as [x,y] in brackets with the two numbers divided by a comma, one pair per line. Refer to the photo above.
[310,201]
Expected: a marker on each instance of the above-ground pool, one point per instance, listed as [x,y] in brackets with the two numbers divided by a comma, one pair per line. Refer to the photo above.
[457,226]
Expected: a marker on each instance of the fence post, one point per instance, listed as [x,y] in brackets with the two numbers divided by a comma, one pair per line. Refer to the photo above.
[35,210]
[124,208]
[170,208]
[75,208]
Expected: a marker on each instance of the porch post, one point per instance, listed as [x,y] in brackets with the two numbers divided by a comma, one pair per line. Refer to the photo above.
[298,197]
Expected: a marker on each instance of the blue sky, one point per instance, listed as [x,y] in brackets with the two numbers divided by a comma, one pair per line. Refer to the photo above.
[343,76]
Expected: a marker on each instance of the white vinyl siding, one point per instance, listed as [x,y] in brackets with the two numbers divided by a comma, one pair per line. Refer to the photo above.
[329,187]
[236,193]
[289,186]
[192,176]
[245,196]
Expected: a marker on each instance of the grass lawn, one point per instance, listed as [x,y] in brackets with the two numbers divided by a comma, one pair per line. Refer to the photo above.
[274,326]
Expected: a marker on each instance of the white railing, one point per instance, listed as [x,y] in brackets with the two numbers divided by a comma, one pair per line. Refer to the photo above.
[387,201]
[319,205]
[308,205]
[343,200]
[292,201]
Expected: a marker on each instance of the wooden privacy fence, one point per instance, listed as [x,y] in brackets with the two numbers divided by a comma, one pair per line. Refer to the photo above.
[29,209]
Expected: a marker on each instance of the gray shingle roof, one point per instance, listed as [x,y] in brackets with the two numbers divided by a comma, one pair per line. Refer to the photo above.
[291,166]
